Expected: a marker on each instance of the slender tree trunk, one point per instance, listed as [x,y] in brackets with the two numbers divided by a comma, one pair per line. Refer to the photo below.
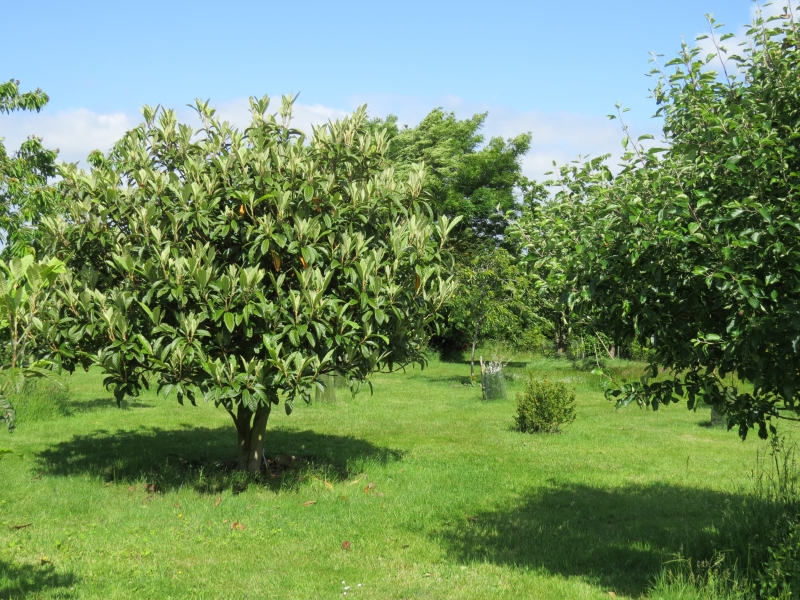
[472,358]
[559,340]
[251,428]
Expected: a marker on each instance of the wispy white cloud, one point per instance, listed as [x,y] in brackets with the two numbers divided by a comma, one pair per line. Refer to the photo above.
[559,137]
[75,132]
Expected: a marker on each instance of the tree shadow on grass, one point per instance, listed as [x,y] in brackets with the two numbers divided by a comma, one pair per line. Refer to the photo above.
[26,581]
[617,539]
[202,458]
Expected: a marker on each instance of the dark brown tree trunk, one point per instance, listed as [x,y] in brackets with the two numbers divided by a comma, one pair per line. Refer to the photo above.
[251,428]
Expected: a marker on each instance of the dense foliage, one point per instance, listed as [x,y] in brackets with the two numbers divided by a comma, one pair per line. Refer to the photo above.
[25,196]
[493,301]
[27,294]
[479,181]
[239,267]
[693,251]
[467,176]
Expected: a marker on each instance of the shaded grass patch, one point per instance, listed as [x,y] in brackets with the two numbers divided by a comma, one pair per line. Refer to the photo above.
[199,458]
[617,539]
[21,580]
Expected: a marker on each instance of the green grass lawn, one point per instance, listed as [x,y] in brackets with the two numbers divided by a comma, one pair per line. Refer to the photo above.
[436,494]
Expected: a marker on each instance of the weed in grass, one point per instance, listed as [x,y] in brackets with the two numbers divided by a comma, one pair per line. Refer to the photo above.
[757,539]
[703,580]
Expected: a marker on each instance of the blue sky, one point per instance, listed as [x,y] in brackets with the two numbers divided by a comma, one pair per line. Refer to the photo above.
[555,69]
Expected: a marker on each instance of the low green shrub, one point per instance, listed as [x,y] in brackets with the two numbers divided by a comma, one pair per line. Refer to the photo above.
[544,406]
[41,400]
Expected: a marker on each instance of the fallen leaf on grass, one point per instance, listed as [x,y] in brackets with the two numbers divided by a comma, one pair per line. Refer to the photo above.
[355,482]
[404,546]
[329,485]
[218,501]
[176,505]
[612,594]
[309,503]
[21,526]
[132,488]
[345,545]
[237,525]
[369,488]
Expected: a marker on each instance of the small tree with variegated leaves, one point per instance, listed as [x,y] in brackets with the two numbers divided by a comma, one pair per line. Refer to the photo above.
[26,299]
[240,266]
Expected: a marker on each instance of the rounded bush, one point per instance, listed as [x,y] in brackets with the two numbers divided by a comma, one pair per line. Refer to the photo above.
[544,406]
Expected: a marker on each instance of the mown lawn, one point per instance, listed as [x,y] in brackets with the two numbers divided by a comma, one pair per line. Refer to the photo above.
[437,496]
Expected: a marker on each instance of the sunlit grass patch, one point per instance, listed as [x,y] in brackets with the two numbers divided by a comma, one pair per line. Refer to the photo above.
[432,489]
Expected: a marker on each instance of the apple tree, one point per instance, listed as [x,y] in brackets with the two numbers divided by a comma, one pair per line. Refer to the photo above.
[692,250]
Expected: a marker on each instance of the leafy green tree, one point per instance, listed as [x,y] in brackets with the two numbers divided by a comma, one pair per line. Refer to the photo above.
[466,177]
[693,251]
[545,232]
[240,267]
[25,195]
[26,295]
[493,299]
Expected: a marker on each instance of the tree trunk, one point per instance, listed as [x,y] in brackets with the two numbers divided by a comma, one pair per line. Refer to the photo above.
[560,340]
[251,428]
[472,358]
[717,419]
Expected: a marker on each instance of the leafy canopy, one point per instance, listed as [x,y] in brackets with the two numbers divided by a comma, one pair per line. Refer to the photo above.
[27,291]
[239,267]
[466,177]
[24,192]
[694,251]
